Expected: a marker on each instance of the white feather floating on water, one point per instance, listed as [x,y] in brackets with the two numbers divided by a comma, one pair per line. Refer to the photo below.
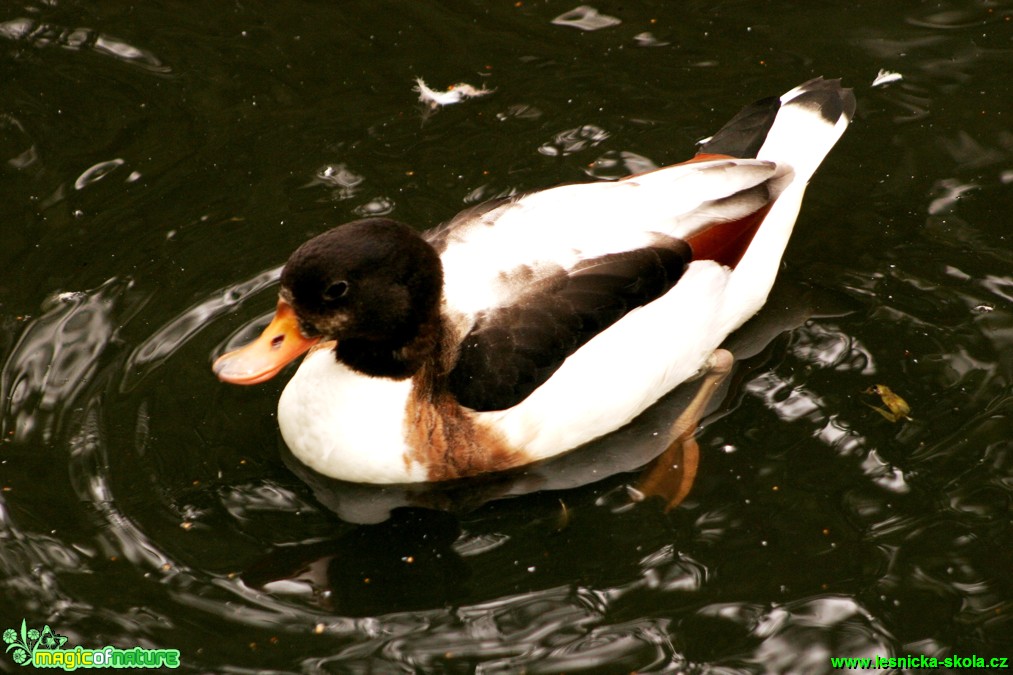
[886,77]
[455,93]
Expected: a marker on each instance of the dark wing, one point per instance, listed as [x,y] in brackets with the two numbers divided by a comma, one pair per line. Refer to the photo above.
[745,133]
[512,350]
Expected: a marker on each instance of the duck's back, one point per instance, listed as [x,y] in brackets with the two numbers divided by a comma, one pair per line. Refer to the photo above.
[492,256]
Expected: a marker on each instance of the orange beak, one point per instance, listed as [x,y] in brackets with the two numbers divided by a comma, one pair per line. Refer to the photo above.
[279,344]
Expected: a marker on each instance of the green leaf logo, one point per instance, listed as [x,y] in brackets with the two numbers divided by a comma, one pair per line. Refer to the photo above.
[22,645]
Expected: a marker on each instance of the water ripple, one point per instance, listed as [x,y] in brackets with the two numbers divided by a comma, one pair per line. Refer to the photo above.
[613,165]
[56,358]
[957,18]
[97,172]
[166,340]
[828,530]
[17,141]
[586,18]
[39,34]
[574,140]
[505,633]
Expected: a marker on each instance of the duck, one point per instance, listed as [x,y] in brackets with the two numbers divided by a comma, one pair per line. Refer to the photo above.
[528,326]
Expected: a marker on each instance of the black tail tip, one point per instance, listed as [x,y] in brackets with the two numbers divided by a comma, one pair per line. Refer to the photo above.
[827,97]
[745,133]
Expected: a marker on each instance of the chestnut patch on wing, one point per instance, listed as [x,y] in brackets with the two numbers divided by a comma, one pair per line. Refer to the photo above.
[726,241]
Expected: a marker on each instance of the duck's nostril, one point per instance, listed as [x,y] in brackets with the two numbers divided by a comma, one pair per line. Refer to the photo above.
[276,341]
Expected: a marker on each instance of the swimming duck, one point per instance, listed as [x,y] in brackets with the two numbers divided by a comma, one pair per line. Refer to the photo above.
[528,326]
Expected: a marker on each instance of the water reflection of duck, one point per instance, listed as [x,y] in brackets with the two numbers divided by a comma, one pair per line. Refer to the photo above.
[529,326]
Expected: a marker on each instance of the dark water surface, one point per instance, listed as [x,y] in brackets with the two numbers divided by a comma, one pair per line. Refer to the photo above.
[160,161]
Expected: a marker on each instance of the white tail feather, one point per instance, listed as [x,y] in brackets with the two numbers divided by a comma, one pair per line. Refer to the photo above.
[811,119]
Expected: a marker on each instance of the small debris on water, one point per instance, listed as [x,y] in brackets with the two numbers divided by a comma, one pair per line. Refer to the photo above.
[455,93]
[886,77]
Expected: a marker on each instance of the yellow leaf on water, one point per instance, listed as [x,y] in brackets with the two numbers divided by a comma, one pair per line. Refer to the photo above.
[896,407]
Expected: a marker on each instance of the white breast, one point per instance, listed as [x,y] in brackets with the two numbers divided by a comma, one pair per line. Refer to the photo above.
[347,425]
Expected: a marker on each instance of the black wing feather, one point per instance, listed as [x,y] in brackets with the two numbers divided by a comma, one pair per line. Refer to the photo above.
[512,350]
[744,134]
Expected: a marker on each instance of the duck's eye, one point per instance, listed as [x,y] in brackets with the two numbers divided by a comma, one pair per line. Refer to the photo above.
[336,290]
